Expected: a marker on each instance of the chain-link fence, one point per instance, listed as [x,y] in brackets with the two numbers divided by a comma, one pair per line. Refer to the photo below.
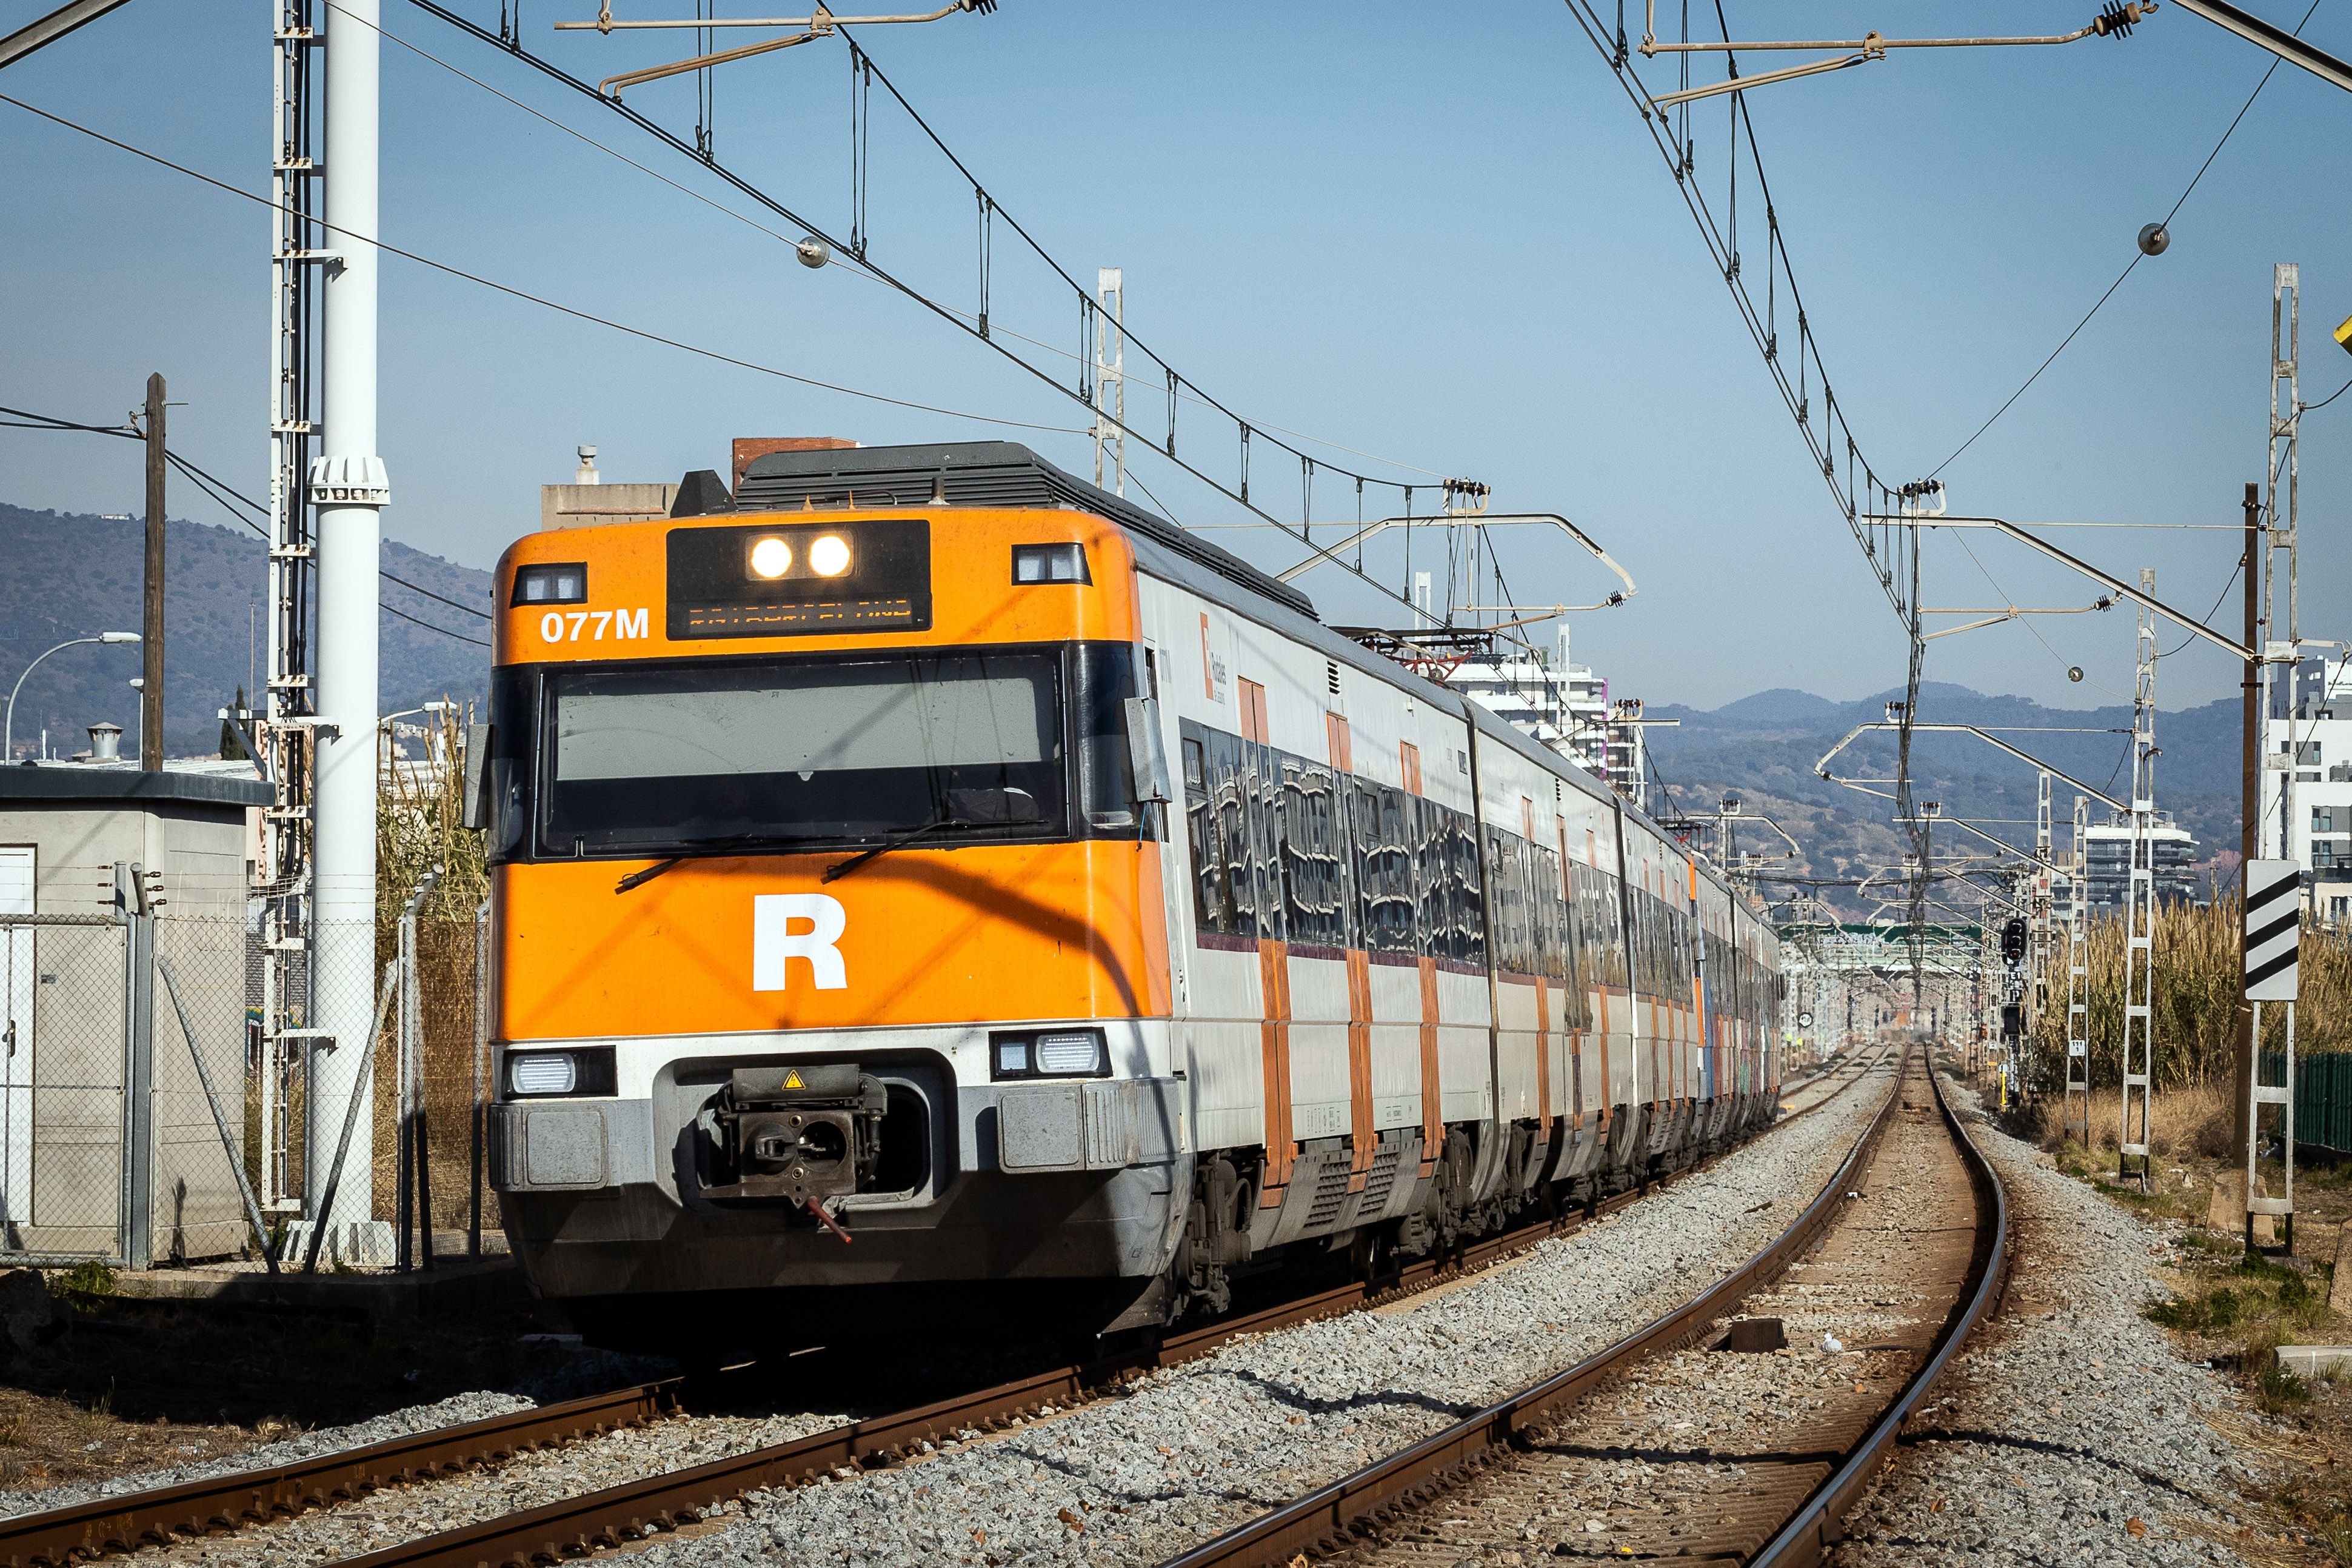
[431,1083]
[66,1026]
[149,1116]
[195,998]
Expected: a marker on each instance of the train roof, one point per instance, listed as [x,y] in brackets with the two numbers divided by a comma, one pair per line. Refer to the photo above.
[977,474]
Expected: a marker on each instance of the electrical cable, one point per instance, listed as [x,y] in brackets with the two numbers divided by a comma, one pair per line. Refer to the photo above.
[542,300]
[220,492]
[481,615]
[1253,426]
[2323,402]
[2217,606]
[428,625]
[2135,261]
[2027,620]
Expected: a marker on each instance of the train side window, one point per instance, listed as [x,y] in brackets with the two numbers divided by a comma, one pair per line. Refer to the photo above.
[1235,776]
[1507,879]
[1314,913]
[1259,871]
[509,788]
[1384,906]
[1467,884]
[1212,896]
[1426,820]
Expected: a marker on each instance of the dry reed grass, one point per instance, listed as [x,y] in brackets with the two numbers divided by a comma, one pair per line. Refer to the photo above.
[2195,1000]
[420,825]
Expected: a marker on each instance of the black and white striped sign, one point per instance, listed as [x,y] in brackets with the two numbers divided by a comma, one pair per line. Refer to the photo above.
[2274,928]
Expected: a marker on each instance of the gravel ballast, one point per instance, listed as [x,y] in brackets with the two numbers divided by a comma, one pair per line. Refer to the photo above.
[2070,1431]
[525,1481]
[1201,1447]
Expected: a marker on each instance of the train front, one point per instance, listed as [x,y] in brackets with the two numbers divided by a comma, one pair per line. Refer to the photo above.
[830,939]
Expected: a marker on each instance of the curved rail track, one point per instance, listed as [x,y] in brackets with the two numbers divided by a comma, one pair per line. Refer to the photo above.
[613,1515]
[1927,1236]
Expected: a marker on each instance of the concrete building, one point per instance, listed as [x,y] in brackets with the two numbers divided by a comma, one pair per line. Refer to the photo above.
[588,501]
[108,1147]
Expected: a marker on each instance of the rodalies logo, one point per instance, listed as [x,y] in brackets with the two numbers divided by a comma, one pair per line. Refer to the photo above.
[775,944]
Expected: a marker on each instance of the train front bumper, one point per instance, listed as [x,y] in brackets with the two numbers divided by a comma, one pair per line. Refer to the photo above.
[1052,1178]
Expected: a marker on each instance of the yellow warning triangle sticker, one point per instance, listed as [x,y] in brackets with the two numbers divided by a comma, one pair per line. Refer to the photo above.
[792,1080]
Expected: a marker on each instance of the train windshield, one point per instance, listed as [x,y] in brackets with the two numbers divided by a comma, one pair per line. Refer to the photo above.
[963,744]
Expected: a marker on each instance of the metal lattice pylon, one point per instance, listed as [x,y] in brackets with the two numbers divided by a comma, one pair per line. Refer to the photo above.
[282,877]
[2078,984]
[2139,914]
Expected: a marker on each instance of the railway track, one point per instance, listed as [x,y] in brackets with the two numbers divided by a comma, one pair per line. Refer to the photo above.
[131,1521]
[613,1515]
[1654,1447]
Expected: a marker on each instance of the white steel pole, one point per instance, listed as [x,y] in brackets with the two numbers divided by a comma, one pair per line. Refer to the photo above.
[350,487]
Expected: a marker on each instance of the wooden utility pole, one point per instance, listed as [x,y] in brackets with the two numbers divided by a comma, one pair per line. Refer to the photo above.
[2250,816]
[150,625]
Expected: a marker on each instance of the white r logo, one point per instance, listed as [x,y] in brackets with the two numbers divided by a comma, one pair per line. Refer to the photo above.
[774,943]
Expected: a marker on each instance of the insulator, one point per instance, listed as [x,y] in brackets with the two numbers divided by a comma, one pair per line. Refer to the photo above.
[2116,20]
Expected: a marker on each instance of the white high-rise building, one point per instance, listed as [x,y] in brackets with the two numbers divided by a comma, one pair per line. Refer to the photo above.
[1561,704]
[2311,721]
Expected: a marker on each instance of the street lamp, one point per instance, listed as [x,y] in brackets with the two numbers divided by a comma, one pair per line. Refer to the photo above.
[8,726]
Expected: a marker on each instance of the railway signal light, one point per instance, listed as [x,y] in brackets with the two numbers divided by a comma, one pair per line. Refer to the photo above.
[2013,940]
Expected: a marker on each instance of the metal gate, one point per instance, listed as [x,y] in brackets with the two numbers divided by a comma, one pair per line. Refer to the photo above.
[66,1030]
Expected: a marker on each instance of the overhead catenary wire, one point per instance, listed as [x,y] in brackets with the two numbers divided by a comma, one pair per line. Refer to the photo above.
[1676,149]
[512,48]
[855,260]
[2137,257]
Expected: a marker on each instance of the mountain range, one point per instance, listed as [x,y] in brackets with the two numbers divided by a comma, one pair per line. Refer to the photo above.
[1766,749]
[65,574]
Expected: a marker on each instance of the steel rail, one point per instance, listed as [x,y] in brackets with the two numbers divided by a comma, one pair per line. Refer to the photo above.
[1330,1514]
[615,1515]
[128,1522]
[1803,1539]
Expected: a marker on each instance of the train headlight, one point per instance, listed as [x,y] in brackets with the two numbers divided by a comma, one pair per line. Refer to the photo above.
[1049,1053]
[550,1074]
[1069,1054]
[771,557]
[829,555]
[554,1073]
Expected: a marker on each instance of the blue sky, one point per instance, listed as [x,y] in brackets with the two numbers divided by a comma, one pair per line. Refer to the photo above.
[1443,238]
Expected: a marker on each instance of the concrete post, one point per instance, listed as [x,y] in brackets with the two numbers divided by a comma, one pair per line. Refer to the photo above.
[350,487]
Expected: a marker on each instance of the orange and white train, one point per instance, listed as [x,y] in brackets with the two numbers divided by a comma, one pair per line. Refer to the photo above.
[918,868]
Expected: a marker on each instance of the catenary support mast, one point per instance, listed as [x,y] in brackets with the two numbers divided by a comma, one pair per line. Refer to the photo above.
[2139,917]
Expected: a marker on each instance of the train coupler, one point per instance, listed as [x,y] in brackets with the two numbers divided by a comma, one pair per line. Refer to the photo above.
[807,1132]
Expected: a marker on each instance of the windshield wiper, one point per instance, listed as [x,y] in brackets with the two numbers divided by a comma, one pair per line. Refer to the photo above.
[840,869]
[701,851]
